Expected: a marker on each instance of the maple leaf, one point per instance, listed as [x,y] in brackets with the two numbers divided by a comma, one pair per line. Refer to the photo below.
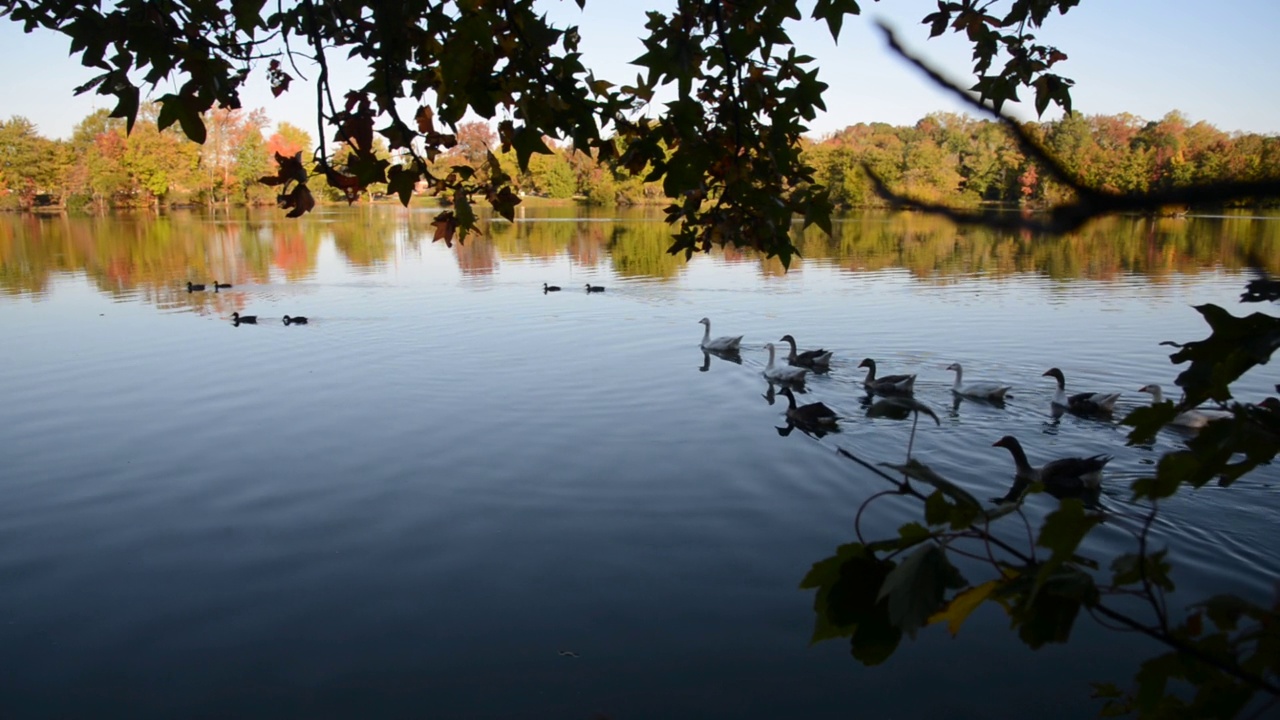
[350,185]
[288,169]
[278,78]
[300,200]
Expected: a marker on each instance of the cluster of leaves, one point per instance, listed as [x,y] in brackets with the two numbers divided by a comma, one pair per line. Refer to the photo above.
[726,149]
[875,592]
[1028,62]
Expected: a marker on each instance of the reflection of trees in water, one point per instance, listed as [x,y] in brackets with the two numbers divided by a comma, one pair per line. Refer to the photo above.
[476,255]
[294,251]
[365,236]
[151,254]
[586,244]
[154,254]
[640,250]
[931,247]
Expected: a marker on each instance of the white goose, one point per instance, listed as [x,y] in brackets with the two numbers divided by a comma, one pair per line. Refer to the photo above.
[720,344]
[1081,403]
[1194,418]
[981,391]
[783,373]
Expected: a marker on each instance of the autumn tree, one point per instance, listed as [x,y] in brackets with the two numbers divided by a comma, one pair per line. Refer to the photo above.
[29,163]
[231,136]
[289,140]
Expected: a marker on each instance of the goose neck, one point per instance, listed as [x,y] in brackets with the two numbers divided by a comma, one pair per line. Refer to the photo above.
[1020,459]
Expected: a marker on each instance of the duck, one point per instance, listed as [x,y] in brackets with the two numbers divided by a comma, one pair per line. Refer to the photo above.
[299,320]
[1064,477]
[220,286]
[818,359]
[811,414]
[1195,418]
[726,343]
[981,391]
[1081,403]
[594,288]
[783,373]
[239,319]
[550,288]
[192,287]
[903,384]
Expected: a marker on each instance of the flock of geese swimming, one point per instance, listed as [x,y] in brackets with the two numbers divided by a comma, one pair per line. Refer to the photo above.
[236,318]
[1061,477]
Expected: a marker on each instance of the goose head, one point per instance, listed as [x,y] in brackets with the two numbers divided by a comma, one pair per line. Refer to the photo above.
[867,363]
[1156,394]
[1056,374]
[705,321]
[954,366]
[235,316]
[1008,442]
[787,339]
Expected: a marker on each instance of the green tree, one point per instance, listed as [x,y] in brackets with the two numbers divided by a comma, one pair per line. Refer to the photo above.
[158,161]
[552,175]
[30,164]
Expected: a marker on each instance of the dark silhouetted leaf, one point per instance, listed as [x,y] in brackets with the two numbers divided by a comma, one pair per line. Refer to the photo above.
[915,589]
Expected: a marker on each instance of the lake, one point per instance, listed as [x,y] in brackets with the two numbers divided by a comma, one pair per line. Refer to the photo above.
[450,495]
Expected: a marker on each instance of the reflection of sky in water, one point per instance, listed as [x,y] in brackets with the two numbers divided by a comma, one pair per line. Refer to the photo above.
[412,504]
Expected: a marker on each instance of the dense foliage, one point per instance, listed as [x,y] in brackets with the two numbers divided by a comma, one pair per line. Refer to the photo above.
[726,148]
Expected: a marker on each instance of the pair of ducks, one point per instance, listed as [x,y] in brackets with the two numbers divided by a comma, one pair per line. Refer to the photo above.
[192,287]
[556,288]
[239,319]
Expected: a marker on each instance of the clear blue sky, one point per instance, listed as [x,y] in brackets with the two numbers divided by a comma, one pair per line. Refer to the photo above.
[1216,61]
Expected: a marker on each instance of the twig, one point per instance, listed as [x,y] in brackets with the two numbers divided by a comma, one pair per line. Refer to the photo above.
[1182,646]
[1031,542]
[1091,203]
[857,519]
[1157,604]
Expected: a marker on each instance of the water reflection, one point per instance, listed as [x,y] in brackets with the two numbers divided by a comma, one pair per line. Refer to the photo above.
[732,356]
[140,252]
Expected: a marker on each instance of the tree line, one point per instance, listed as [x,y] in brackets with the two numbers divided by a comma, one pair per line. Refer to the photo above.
[958,160]
[944,157]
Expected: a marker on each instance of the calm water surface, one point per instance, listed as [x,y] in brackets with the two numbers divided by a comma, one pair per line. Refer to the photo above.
[412,505]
